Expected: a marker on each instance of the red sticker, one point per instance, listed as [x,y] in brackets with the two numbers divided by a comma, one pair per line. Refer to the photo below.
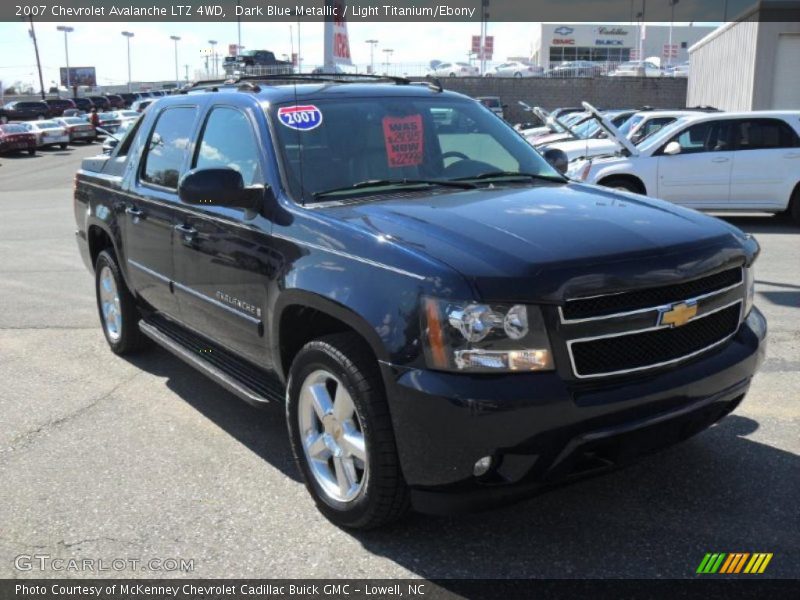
[403,137]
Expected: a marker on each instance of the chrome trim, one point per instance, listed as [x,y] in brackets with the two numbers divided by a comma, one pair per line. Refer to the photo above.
[148,270]
[654,365]
[194,292]
[216,302]
[643,310]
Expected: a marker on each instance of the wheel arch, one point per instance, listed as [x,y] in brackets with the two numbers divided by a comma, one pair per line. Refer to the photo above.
[635,180]
[300,316]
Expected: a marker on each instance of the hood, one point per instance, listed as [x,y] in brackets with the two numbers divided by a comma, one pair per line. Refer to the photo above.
[612,130]
[551,241]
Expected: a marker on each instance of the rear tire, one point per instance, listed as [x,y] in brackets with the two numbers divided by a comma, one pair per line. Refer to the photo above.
[337,376]
[64,146]
[119,315]
[32,152]
[793,210]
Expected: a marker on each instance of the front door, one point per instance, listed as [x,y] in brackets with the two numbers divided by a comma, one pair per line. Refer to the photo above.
[223,255]
[700,176]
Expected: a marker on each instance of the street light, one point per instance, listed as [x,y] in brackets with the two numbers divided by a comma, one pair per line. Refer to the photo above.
[388,52]
[66,30]
[372,44]
[213,55]
[128,35]
[176,39]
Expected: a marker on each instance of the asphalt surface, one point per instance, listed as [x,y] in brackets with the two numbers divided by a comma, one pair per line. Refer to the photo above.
[103,457]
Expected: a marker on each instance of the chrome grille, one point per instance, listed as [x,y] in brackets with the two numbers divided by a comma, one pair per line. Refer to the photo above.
[625,335]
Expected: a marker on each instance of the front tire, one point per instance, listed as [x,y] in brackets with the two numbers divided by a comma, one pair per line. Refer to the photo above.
[341,433]
[625,185]
[119,315]
[793,210]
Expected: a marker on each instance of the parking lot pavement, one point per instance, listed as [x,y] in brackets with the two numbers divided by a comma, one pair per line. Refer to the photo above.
[103,457]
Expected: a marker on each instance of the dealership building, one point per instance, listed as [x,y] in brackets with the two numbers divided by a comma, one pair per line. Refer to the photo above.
[752,63]
[557,42]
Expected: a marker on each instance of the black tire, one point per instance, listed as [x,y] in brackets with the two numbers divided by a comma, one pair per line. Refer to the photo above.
[627,185]
[383,497]
[793,210]
[32,152]
[130,338]
[517,74]
[64,146]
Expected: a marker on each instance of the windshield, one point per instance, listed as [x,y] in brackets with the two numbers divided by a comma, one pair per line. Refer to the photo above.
[628,125]
[336,144]
[46,124]
[12,129]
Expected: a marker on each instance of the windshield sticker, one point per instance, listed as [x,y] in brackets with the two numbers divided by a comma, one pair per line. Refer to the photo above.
[302,118]
[403,137]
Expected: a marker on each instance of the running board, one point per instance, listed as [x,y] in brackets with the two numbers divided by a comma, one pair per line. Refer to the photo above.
[248,382]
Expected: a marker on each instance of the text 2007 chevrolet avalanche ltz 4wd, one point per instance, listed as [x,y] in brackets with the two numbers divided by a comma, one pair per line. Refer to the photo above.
[450,321]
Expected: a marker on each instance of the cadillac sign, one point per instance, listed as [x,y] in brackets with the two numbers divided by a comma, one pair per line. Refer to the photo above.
[611,31]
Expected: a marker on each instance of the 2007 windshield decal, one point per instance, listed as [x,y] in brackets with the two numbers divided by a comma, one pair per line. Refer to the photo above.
[302,118]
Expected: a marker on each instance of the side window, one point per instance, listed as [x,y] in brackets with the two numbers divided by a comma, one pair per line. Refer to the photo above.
[763,134]
[128,137]
[228,141]
[711,136]
[169,141]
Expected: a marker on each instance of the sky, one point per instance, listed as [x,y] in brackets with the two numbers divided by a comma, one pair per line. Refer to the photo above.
[153,53]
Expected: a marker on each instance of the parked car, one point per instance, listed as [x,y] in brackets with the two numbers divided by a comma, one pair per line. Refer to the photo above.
[516,69]
[15,137]
[126,115]
[259,62]
[101,103]
[48,134]
[57,106]
[112,141]
[493,103]
[576,68]
[711,161]
[637,128]
[636,68]
[107,120]
[84,104]
[78,129]
[21,110]
[140,105]
[448,324]
[116,101]
[129,98]
[454,69]
[681,70]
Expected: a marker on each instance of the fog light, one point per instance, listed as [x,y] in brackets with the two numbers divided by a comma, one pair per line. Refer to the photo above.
[482,466]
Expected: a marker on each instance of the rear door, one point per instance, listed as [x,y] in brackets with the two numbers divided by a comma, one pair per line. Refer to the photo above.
[152,204]
[223,256]
[700,176]
[766,163]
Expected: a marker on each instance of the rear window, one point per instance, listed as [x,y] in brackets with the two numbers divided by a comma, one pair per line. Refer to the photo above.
[763,134]
[31,105]
[12,129]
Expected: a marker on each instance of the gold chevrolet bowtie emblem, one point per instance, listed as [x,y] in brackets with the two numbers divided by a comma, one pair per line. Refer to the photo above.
[678,315]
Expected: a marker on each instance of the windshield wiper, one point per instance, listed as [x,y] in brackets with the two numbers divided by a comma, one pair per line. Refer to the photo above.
[378,183]
[511,175]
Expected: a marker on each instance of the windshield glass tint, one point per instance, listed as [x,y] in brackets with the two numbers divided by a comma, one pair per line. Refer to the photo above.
[12,129]
[334,144]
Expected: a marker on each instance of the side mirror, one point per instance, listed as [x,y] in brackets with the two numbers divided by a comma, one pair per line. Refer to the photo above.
[672,149]
[219,187]
[558,159]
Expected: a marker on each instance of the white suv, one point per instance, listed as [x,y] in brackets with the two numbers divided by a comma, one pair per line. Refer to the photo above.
[717,161]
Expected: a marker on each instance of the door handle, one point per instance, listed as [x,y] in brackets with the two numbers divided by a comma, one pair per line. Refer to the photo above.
[185,230]
[720,159]
[133,211]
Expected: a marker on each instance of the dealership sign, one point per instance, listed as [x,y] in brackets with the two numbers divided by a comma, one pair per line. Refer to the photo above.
[79,76]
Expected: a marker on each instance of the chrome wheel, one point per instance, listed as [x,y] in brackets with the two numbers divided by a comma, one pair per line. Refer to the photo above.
[109,304]
[332,436]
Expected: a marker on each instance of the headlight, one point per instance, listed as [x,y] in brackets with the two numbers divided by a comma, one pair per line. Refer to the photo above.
[472,337]
[750,288]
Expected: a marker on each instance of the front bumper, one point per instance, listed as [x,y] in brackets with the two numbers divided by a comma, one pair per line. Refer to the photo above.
[540,429]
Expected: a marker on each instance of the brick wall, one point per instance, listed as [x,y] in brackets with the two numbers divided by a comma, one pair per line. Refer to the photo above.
[602,92]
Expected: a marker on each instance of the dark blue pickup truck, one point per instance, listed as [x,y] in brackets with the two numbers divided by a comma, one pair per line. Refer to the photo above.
[450,322]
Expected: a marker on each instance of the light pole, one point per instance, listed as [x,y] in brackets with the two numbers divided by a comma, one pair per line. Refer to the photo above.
[66,30]
[176,39]
[672,4]
[128,35]
[372,44]
[214,55]
[388,52]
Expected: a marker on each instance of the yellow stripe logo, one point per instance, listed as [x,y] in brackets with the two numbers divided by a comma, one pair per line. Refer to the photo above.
[734,563]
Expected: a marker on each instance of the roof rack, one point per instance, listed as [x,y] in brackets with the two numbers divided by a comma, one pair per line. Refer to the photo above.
[244,81]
